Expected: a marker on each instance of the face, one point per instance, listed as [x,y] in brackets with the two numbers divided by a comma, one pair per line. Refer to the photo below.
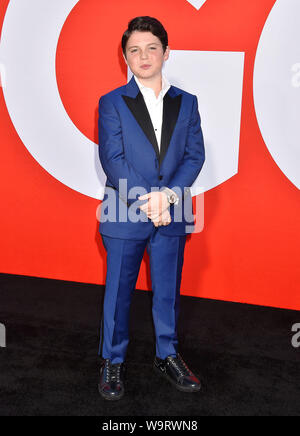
[145,57]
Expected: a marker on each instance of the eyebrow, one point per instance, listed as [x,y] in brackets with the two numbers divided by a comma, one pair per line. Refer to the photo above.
[136,46]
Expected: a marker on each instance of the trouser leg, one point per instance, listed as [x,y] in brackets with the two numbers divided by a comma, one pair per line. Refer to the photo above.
[166,262]
[124,259]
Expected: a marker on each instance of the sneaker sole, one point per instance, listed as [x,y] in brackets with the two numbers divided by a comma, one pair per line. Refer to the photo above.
[177,386]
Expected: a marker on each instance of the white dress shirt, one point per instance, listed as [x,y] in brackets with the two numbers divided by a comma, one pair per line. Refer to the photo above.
[155,104]
[155,108]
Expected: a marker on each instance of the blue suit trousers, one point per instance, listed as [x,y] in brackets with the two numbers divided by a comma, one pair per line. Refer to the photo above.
[124,257]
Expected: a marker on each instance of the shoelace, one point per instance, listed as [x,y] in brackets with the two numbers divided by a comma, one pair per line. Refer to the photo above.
[112,371]
[180,365]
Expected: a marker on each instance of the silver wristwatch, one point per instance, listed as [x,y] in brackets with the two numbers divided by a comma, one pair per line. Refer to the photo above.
[171,198]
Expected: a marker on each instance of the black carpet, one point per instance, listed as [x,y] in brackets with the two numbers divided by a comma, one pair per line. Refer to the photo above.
[242,353]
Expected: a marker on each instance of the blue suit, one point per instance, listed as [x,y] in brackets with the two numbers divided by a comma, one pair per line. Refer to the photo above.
[128,150]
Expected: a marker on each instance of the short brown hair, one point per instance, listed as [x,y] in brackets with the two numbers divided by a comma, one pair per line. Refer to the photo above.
[145,24]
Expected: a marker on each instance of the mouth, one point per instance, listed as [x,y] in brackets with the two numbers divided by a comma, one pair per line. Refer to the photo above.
[145,66]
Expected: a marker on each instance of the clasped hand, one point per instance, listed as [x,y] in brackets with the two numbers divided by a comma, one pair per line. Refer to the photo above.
[156,208]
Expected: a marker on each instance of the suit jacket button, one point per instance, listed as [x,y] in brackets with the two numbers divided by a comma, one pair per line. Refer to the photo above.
[160,177]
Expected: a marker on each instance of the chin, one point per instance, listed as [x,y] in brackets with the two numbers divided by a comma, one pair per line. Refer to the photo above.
[148,74]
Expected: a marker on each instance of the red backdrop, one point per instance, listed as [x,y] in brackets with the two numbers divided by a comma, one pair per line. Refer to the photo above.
[248,251]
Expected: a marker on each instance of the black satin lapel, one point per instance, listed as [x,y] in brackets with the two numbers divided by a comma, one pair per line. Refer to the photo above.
[171,110]
[139,110]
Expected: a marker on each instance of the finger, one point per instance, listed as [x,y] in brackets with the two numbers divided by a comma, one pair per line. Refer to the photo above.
[154,216]
[144,208]
[143,197]
[156,222]
[147,211]
[144,205]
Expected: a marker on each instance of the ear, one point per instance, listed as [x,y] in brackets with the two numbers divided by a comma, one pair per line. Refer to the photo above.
[167,53]
[124,58]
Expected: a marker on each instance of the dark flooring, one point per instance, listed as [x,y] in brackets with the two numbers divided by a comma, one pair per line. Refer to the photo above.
[242,353]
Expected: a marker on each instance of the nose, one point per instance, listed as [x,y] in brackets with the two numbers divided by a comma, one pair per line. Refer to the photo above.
[144,54]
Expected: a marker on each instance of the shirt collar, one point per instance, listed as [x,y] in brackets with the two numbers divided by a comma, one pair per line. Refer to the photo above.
[165,86]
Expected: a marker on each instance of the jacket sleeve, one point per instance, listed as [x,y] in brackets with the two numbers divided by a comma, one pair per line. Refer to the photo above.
[194,155]
[111,151]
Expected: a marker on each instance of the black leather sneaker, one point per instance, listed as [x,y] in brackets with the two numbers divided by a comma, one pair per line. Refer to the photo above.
[111,385]
[175,370]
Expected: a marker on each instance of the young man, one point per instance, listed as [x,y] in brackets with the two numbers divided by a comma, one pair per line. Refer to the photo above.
[150,139]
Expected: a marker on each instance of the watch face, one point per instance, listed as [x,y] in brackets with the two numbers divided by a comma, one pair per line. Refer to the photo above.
[172,198]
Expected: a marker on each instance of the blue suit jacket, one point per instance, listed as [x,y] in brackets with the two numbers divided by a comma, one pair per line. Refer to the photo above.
[128,150]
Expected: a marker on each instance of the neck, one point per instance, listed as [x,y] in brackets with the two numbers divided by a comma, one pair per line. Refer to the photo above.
[153,82]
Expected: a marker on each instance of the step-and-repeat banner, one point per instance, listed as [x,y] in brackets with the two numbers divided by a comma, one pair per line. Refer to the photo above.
[241,58]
